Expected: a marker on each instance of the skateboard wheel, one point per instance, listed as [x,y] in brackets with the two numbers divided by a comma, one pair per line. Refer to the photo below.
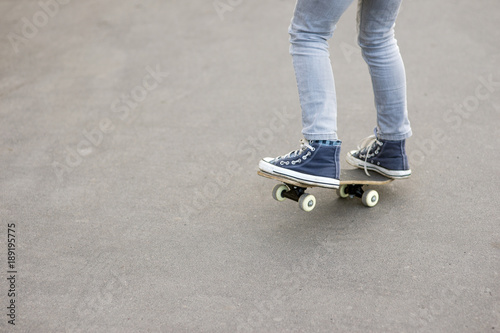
[278,191]
[307,202]
[370,198]
[341,192]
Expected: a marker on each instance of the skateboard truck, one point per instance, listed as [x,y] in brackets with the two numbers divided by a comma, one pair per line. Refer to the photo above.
[354,191]
[294,192]
[306,201]
[368,198]
[351,185]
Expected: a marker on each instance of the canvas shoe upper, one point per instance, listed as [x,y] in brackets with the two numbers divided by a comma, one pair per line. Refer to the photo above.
[386,157]
[315,163]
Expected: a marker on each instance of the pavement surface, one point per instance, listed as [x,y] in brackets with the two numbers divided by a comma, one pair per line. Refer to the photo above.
[130,137]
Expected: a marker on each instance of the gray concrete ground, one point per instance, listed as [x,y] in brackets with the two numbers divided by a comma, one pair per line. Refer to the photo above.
[130,136]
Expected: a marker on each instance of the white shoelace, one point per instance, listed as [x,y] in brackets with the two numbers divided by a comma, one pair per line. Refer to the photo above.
[304,144]
[367,143]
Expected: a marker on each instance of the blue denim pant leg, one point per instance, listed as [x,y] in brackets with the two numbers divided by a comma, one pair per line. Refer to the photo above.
[376,20]
[312,26]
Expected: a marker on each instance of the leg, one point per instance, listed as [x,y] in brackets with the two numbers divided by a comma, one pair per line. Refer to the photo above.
[380,50]
[312,25]
[317,160]
[384,152]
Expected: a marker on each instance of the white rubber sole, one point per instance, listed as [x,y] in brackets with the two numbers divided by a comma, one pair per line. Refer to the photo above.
[272,169]
[394,174]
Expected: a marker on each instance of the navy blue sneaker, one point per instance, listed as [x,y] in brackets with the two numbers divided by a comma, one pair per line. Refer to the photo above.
[386,157]
[315,163]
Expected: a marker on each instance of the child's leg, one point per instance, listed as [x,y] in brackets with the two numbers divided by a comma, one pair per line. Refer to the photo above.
[316,162]
[385,152]
[312,25]
[381,53]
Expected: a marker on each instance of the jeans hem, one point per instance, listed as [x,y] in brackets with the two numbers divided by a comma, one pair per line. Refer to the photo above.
[394,137]
[330,137]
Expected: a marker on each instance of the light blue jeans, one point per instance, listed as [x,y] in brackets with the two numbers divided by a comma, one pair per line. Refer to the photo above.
[313,24]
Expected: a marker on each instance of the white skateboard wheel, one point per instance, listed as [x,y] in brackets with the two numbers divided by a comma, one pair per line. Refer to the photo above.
[307,202]
[341,192]
[370,198]
[278,191]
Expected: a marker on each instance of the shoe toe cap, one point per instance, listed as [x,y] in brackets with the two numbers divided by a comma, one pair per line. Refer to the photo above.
[353,153]
[267,159]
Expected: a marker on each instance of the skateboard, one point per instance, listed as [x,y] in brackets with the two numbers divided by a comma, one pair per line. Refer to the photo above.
[351,185]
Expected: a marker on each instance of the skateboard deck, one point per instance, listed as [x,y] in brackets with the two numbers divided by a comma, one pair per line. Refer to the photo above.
[351,185]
